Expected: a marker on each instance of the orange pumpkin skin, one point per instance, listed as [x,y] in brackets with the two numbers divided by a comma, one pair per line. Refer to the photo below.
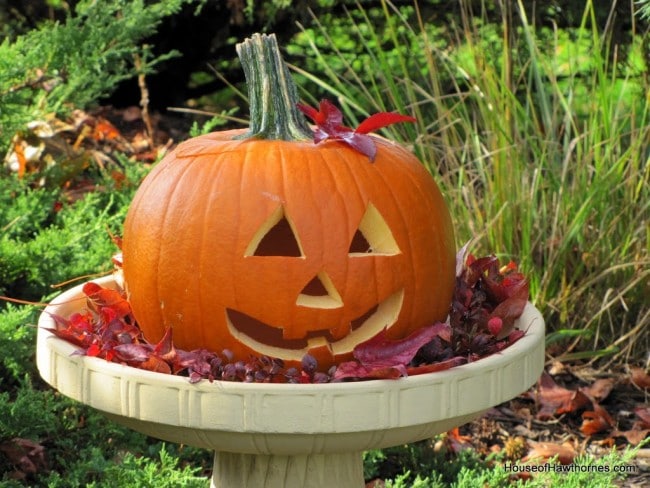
[196,224]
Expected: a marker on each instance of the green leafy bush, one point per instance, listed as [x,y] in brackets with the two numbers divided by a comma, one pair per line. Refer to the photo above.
[17,337]
[72,64]
[47,240]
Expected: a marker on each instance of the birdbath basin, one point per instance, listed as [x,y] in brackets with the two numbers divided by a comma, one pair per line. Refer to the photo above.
[287,435]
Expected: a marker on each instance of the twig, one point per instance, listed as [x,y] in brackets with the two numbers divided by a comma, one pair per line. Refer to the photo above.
[144,98]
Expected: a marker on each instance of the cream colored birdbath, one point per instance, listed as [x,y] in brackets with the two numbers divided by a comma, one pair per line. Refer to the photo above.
[287,435]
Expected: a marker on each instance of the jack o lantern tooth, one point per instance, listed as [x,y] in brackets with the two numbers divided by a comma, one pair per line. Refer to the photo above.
[262,243]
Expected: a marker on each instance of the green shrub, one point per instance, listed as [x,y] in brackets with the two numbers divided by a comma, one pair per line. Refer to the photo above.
[60,66]
[17,338]
[45,240]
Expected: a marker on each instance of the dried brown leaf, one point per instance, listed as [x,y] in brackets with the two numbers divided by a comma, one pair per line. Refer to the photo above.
[543,451]
[640,377]
[554,400]
[599,389]
[598,420]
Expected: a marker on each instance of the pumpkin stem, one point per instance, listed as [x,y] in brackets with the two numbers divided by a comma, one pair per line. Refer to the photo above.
[271,91]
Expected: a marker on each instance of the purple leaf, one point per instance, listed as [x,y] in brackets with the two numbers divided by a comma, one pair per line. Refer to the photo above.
[133,352]
[329,125]
[389,352]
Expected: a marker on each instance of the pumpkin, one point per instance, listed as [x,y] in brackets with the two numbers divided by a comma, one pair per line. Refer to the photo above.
[264,243]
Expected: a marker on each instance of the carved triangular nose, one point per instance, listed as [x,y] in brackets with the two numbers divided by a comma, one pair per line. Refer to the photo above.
[320,292]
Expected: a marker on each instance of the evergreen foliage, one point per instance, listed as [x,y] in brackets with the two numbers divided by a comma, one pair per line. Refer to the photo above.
[74,63]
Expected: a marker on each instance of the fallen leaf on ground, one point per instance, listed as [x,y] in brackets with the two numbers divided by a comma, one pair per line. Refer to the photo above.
[457,442]
[633,436]
[543,451]
[643,413]
[640,377]
[598,420]
[599,389]
[555,400]
[26,455]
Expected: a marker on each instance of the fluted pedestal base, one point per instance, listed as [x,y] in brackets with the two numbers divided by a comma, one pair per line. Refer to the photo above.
[340,470]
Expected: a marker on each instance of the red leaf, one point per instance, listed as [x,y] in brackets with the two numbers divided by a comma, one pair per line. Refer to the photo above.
[510,286]
[380,357]
[165,346]
[156,365]
[507,311]
[329,121]
[380,120]
[434,367]
[387,352]
[515,335]
[457,442]
[106,297]
[311,112]
[328,117]
[133,352]
[361,142]
[495,324]
[356,370]
[94,350]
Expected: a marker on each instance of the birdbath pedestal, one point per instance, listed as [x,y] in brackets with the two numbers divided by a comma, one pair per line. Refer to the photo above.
[287,435]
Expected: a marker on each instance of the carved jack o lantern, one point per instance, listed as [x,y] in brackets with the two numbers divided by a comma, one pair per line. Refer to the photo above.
[284,247]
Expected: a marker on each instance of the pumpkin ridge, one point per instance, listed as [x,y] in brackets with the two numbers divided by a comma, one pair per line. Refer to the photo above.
[166,204]
[167,227]
[445,229]
[203,302]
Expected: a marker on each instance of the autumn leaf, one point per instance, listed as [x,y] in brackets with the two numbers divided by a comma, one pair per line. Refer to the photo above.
[457,442]
[435,367]
[380,120]
[543,451]
[640,429]
[640,377]
[599,389]
[380,357]
[643,414]
[329,126]
[555,400]
[596,421]
[155,364]
[99,297]
[27,456]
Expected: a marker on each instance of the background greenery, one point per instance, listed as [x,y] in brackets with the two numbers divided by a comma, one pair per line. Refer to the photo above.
[533,121]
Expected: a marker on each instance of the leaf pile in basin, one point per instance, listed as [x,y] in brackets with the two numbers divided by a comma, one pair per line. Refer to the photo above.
[488,298]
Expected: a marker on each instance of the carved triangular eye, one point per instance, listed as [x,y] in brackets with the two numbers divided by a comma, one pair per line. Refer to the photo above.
[276,237]
[359,244]
[373,235]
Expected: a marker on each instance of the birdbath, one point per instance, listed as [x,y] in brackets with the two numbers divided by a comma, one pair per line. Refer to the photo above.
[287,435]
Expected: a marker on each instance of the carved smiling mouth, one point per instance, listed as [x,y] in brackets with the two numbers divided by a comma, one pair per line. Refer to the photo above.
[263,337]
